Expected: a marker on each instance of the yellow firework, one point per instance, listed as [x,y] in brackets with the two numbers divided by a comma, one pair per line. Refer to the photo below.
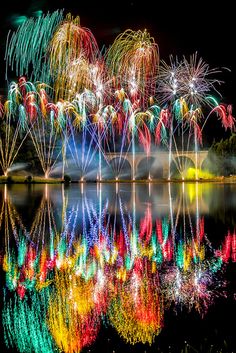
[133,58]
[137,311]
[71,50]
[73,318]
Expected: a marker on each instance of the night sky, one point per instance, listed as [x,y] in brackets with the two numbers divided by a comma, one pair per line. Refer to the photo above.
[179,28]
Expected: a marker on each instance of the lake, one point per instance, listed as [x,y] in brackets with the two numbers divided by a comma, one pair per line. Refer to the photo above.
[118,267]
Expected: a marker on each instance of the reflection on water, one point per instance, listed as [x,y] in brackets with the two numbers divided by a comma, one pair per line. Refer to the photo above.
[79,258]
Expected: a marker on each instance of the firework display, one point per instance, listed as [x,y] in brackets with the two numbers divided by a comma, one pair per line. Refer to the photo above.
[78,103]
[88,264]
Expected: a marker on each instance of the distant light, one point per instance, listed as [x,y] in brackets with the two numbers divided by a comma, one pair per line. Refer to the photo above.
[38,13]
[18,20]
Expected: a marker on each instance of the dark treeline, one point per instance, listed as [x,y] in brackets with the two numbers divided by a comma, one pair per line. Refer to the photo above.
[222,156]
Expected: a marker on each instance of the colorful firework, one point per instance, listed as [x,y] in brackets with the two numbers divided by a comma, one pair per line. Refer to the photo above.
[104,103]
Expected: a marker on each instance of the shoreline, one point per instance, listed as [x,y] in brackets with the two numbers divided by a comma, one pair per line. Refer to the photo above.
[42,180]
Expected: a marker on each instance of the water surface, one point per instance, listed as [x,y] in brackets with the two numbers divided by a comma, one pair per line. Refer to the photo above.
[118,267]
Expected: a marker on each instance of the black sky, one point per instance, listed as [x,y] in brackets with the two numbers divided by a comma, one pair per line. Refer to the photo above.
[179,28]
